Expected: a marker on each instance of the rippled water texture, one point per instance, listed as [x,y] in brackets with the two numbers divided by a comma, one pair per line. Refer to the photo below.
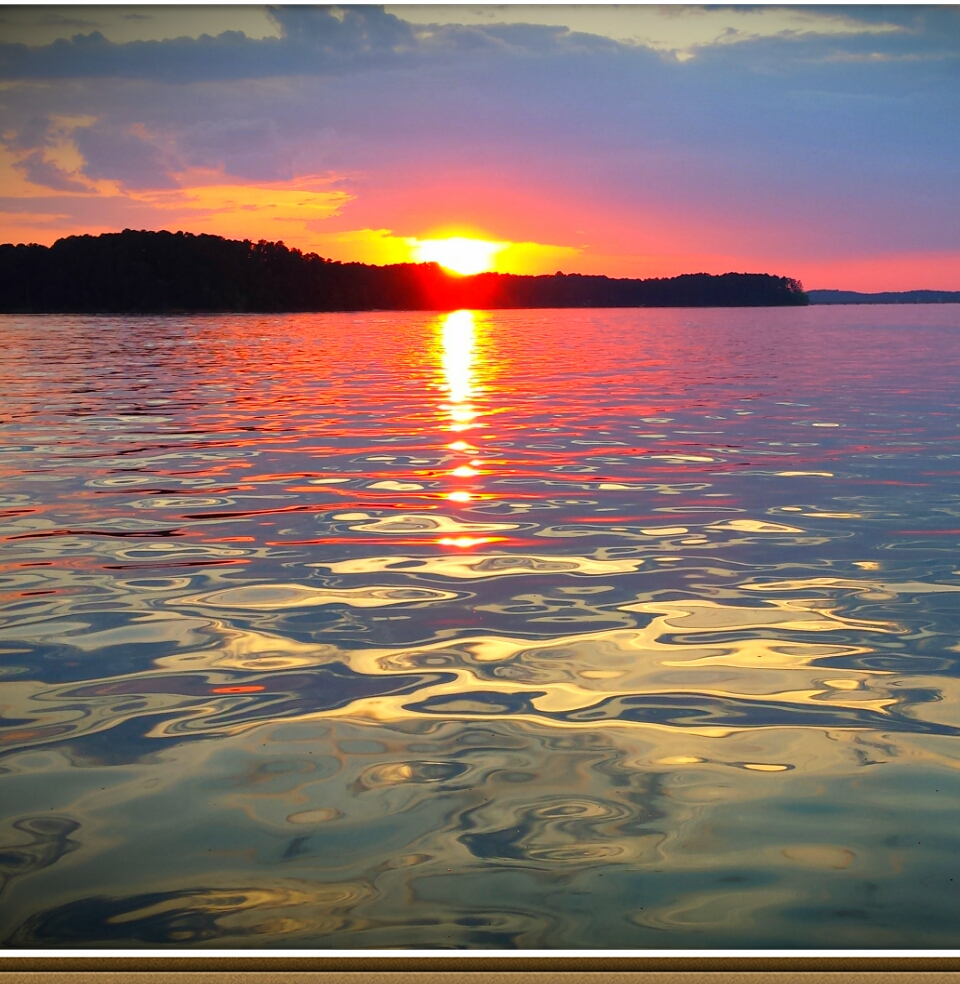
[527,629]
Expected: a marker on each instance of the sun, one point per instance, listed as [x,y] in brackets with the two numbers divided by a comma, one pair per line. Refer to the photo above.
[459,254]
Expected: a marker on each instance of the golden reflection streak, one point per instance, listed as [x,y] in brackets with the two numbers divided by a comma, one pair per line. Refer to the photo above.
[458,357]
[275,597]
[872,590]
[315,907]
[458,340]
[411,524]
[637,655]
[485,565]
[571,673]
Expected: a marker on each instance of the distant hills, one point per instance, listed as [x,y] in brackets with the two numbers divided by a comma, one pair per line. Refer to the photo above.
[162,272]
[887,297]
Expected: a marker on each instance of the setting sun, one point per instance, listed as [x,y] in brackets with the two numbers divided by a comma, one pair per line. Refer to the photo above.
[459,254]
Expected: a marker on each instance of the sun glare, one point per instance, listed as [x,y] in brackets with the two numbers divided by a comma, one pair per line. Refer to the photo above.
[459,254]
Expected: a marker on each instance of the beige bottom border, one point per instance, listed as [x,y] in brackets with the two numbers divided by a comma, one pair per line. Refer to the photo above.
[927,974]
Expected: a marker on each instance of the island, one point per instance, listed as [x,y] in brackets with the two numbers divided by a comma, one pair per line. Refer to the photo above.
[137,272]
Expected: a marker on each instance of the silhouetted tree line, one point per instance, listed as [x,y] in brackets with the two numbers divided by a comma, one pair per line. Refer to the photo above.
[163,272]
[885,297]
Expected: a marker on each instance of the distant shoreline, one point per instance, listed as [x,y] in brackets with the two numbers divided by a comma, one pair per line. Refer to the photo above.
[886,297]
[165,273]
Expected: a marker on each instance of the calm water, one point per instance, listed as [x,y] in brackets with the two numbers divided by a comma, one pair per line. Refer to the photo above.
[520,629]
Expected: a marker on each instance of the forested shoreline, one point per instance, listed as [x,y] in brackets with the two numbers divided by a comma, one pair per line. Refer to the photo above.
[133,272]
[884,297]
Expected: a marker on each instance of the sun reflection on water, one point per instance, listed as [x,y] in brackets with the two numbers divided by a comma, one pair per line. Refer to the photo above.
[458,339]
[458,359]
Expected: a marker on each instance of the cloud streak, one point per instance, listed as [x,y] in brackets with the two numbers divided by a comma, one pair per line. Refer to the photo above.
[313,41]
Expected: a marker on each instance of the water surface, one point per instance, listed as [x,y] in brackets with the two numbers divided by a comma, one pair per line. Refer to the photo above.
[529,629]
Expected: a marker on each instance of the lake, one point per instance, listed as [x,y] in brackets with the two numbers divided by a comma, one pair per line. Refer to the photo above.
[520,629]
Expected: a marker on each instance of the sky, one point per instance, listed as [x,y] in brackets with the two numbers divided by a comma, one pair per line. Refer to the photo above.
[816,142]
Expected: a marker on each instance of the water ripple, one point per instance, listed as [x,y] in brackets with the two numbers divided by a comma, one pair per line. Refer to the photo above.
[500,630]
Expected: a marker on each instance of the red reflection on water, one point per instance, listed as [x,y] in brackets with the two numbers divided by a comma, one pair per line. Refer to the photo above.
[239,432]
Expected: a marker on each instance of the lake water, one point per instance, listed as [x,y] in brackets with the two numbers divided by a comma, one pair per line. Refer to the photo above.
[525,629]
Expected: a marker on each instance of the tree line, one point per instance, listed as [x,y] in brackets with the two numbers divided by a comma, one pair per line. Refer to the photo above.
[133,272]
[885,297]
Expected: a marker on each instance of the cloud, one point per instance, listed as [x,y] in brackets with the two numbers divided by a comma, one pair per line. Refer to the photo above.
[678,29]
[343,31]
[208,203]
[40,171]
[117,154]
[330,40]
[313,41]
[229,55]
[198,202]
